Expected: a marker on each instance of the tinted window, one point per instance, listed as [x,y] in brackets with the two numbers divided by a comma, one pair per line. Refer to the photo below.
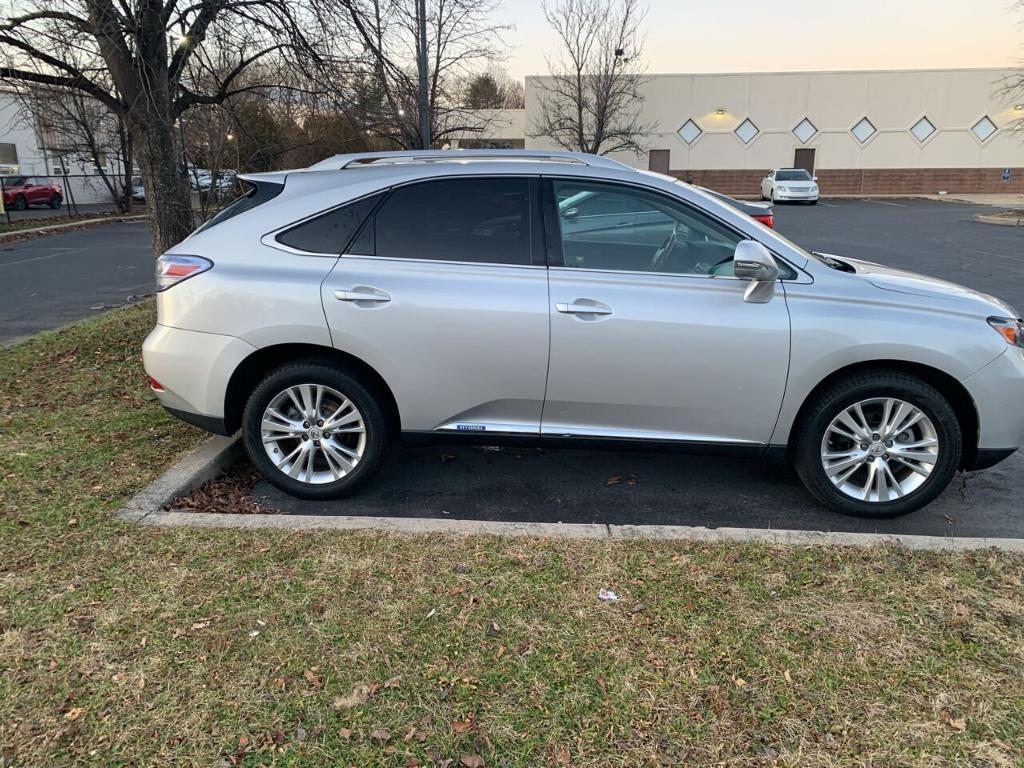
[257,194]
[330,232]
[652,233]
[478,220]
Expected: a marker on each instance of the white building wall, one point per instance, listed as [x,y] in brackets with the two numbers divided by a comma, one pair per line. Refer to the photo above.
[953,101]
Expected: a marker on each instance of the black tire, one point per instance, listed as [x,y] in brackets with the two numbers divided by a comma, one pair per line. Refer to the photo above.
[377,437]
[55,202]
[20,203]
[814,202]
[828,404]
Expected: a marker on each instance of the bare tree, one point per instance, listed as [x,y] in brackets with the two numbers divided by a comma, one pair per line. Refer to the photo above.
[592,100]
[149,61]
[1013,85]
[84,130]
[383,88]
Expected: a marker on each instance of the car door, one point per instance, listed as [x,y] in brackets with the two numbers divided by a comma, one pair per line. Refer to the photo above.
[766,185]
[660,344]
[444,293]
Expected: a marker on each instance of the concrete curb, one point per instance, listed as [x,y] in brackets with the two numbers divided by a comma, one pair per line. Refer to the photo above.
[56,228]
[218,453]
[1001,221]
[204,463]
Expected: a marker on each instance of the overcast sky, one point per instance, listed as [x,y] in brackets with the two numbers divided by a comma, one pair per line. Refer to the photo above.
[779,35]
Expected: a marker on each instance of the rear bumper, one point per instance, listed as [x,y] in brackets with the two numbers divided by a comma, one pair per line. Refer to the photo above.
[194,370]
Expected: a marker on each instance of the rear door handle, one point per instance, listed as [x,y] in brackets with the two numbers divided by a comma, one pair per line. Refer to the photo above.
[362,294]
[583,309]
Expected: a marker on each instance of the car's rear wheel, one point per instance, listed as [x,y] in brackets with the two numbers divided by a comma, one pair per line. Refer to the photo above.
[20,203]
[55,201]
[878,444]
[314,430]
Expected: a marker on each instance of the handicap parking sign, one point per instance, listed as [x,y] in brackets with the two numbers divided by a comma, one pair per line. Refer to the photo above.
[1006,174]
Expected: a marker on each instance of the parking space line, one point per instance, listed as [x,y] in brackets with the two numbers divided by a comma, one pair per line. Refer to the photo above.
[828,205]
[886,202]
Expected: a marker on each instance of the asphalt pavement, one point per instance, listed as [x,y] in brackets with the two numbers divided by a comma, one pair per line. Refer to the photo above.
[634,488]
[49,281]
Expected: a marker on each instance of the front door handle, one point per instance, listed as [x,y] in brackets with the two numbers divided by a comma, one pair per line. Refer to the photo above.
[362,294]
[583,309]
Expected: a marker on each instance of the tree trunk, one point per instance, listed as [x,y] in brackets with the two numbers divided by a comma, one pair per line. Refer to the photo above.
[167,194]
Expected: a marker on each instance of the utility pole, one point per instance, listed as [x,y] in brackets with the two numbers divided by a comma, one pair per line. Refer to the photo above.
[421,49]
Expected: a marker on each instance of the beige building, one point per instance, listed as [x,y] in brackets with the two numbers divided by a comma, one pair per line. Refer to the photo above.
[885,132]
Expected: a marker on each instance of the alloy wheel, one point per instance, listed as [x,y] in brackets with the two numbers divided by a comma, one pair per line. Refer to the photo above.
[879,450]
[313,433]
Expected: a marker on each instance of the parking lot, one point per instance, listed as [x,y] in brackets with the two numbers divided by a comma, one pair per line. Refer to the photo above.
[50,281]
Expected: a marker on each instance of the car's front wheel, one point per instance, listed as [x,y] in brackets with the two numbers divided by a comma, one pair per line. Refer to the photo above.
[55,201]
[314,430]
[878,444]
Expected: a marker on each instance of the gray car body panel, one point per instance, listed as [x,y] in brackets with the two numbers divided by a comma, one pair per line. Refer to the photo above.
[467,346]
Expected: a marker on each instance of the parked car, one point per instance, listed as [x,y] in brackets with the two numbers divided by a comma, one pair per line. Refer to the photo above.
[790,184]
[138,190]
[22,191]
[455,296]
[761,212]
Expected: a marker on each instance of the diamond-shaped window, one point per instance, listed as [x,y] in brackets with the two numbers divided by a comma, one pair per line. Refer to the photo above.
[922,129]
[746,131]
[984,128]
[690,132]
[863,130]
[805,131]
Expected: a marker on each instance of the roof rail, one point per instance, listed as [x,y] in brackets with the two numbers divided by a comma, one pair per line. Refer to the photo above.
[339,162]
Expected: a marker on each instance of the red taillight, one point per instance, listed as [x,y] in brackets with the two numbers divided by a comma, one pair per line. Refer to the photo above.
[171,269]
[767,219]
[155,385]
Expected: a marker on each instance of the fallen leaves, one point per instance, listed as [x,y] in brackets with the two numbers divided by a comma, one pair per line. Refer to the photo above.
[359,696]
[461,726]
[958,724]
[471,761]
[630,480]
[494,629]
[73,714]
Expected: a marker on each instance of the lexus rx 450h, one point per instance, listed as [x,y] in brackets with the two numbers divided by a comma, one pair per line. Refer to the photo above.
[566,299]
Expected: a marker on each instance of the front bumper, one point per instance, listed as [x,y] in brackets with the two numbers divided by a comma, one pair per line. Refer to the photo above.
[795,195]
[998,394]
[194,370]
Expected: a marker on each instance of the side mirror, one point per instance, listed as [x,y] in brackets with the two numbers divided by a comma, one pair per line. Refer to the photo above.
[814,178]
[752,261]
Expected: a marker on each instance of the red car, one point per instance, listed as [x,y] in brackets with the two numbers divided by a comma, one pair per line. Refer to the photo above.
[22,191]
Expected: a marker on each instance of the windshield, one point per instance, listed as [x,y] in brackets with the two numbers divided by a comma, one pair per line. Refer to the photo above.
[797,175]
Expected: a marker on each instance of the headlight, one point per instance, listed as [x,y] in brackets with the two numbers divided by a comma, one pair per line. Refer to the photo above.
[1011,330]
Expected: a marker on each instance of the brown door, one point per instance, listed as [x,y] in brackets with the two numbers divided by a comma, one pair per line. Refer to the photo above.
[658,160]
[804,158]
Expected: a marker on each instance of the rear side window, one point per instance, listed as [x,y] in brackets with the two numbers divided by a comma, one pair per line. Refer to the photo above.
[330,232]
[258,194]
[484,220]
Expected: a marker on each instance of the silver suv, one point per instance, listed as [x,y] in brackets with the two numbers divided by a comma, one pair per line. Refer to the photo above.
[568,299]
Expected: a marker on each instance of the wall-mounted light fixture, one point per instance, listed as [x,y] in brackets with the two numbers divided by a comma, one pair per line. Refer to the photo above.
[1019,108]
[720,111]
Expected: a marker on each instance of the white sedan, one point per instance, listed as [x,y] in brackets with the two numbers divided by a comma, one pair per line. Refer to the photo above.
[785,184]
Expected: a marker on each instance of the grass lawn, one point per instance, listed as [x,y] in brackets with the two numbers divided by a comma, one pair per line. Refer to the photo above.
[27,225]
[131,646]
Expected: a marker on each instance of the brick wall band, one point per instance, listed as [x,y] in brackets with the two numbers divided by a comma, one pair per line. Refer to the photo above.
[880,181]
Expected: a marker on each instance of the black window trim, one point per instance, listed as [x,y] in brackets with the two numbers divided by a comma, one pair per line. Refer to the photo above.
[536,236]
[553,231]
[271,238]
